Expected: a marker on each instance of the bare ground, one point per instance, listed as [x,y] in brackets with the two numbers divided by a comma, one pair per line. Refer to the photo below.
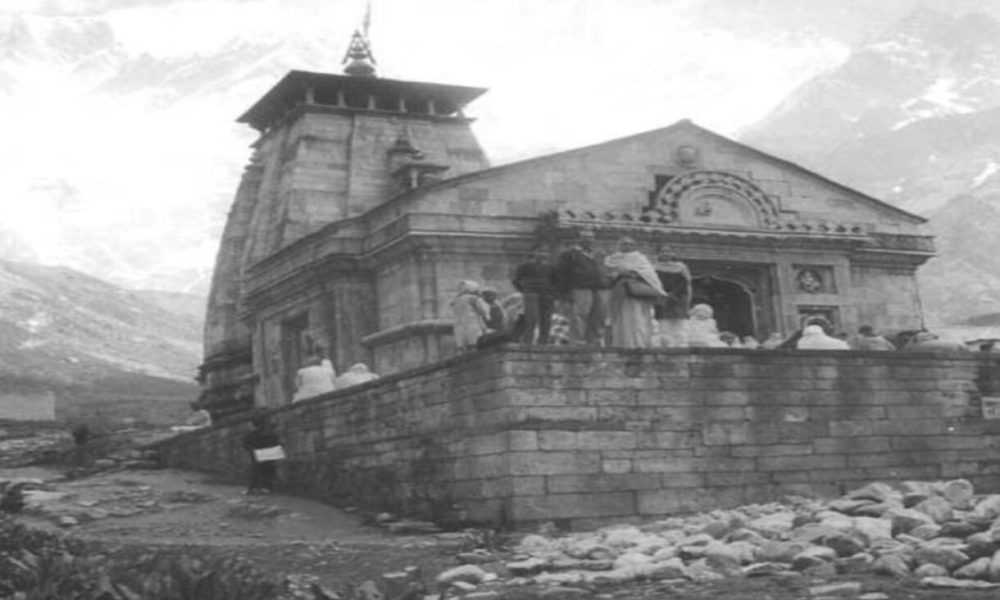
[132,511]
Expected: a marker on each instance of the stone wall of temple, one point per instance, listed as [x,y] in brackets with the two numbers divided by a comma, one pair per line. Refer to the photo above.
[581,436]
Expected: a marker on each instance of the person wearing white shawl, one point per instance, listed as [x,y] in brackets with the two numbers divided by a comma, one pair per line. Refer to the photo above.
[813,338]
[702,329]
[471,313]
[631,316]
[356,375]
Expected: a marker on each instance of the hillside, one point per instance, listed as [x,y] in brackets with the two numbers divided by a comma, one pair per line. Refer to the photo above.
[91,342]
[913,117]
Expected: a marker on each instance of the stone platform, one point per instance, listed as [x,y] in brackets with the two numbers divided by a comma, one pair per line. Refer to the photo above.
[515,435]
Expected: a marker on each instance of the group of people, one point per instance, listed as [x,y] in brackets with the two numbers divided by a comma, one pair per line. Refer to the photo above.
[317,376]
[600,302]
[627,300]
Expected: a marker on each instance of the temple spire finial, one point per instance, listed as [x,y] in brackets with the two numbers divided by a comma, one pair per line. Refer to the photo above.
[359,52]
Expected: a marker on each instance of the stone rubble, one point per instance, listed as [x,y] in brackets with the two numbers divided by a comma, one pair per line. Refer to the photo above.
[941,532]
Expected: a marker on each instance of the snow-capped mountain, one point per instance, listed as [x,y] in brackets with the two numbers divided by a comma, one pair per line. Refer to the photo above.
[913,117]
[61,327]
[164,122]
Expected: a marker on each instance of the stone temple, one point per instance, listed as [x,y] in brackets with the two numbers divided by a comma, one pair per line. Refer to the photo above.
[366,200]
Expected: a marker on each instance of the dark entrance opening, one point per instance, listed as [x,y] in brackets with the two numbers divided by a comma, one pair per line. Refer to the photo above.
[732,303]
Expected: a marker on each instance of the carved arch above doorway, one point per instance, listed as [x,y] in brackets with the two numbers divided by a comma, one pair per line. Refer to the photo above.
[712,198]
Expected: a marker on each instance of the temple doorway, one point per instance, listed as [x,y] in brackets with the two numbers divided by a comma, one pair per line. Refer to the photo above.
[733,304]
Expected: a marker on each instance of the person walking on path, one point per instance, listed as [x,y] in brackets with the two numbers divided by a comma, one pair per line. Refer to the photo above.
[534,279]
[263,445]
[581,279]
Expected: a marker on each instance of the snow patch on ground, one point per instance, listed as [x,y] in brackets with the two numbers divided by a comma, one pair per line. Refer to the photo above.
[989,171]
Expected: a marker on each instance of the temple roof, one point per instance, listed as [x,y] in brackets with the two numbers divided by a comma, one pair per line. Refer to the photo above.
[291,90]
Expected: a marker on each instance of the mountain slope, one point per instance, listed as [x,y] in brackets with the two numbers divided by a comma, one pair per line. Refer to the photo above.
[61,327]
[913,117]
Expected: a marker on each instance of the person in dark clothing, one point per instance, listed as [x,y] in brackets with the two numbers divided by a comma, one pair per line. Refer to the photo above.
[671,313]
[497,321]
[263,473]
[534,279]
[81,448]
[497,325]
[581,278]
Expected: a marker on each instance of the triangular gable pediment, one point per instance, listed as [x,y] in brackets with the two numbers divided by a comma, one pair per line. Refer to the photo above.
[684,174]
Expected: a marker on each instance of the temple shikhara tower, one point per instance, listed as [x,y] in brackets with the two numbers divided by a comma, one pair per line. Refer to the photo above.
[367,200]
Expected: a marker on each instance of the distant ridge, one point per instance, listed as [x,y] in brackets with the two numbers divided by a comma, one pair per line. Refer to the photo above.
[90,342]
[913,117]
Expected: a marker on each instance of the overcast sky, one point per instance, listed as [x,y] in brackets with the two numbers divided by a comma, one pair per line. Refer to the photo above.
[560,73]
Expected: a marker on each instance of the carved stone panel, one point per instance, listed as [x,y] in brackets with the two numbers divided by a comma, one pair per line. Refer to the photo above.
[814,279]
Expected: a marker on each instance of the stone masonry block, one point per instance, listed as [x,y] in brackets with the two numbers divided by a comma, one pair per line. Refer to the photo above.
[667,465]
[557,440]
[941,442]
[851,429]
[687,500]
[665,397]
[522,440]
[523,397]
[915,412]
[726,398]
[602,482]
[846,412]
[796,463]
[723,413]
[606,440]
[562,506]
[668,440]
[616,466]
[486,444]
[754,451]
[553,413]
[617,397]
[802,432]
[909,427]
[554,463]
[527,486]
[715,464]
[892,459]
[731,433]
[850,445]
[736,478]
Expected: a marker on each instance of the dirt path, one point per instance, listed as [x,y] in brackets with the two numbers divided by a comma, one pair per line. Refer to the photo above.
[282,534]
[285,535]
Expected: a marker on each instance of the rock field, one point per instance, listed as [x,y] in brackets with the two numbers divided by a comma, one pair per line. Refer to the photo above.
[940,532]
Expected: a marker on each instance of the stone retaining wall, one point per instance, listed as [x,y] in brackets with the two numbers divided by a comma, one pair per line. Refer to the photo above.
[517,435]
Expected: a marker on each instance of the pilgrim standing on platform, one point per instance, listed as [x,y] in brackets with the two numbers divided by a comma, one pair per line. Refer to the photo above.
[497,324]
[313,379]
[672,312]
[581,279]
[471,313]
[814,338]
[324,362]
[867,340]
[703,332]
[636,289]
[356,375]
[534,279]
